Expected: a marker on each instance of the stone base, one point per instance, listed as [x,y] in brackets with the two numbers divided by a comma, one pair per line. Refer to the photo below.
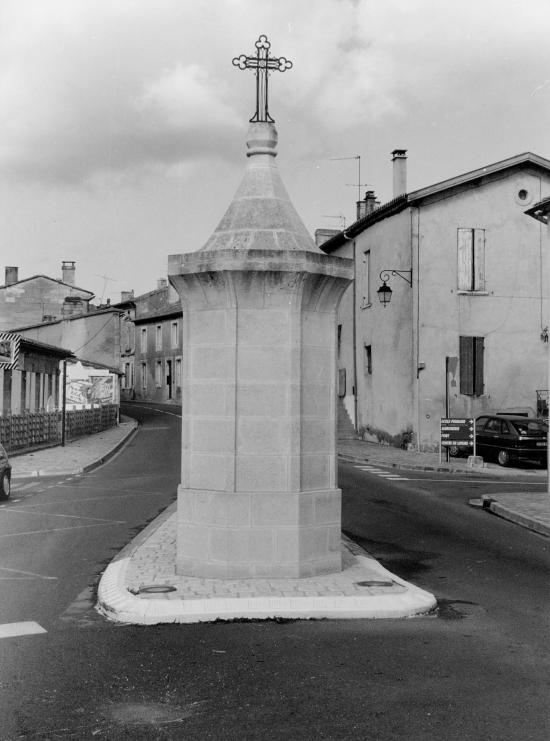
[242,535]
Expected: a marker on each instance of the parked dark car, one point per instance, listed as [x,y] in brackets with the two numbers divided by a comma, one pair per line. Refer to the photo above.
[5,474]
[509,438]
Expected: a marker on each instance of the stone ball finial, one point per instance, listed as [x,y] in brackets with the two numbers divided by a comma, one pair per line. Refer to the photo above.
[261,139]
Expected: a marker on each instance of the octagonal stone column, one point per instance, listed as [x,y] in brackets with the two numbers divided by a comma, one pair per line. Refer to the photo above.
[258,494]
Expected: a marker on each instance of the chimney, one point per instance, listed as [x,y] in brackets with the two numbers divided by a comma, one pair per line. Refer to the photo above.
[323,235]
[12,276]
[367,206]
[68,271]
[72,305]
[399,159]
[126,296]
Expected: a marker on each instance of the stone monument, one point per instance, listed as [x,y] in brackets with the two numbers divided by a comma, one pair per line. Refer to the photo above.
[258,494]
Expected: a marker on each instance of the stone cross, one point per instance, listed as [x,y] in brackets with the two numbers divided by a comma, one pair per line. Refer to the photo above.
[262,63]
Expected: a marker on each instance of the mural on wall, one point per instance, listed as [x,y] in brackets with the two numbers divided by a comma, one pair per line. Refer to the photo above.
[91,390]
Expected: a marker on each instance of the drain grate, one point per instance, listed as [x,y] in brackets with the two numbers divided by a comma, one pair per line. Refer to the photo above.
[156,589]
[374,583]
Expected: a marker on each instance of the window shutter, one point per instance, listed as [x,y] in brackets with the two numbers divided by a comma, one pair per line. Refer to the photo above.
[479,259]
[466,365]
[465,259]
[478,366]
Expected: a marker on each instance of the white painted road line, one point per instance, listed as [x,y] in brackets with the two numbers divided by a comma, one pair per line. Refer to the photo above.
[26,574]
[58,529]
[12,630]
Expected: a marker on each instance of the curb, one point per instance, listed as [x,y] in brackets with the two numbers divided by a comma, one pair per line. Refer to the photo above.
[116,603]
[45,473]
[113,451]
[348,458]
[516,517]
[407,466]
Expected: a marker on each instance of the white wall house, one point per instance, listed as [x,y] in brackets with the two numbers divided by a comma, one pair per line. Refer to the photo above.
[465,331]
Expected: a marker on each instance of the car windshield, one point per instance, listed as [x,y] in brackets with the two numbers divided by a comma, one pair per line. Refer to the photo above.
[531,427]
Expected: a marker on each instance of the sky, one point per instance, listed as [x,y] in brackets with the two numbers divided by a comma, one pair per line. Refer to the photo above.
[122,136]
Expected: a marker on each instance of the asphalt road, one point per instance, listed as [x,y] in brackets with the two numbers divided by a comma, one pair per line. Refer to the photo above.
[479,671]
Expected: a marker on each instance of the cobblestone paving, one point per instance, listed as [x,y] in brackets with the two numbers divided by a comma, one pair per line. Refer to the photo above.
[154,563]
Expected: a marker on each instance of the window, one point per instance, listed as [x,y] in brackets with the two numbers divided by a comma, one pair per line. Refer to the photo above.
[144,339]
[144,376]
[368,360]
[158,373]
[471,259]
[339,339]
[471,352]
[127,376]
[367,296]
[178,373]
[175,334]
[158,337]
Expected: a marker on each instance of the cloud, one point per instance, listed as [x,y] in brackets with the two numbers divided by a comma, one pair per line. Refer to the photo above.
[187,98]
[128,85]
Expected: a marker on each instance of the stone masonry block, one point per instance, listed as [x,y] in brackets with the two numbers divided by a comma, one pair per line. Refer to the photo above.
[318,330]
[256,435]
[263,327]
[316,472]
[317,365]
[208,399]
[274,509]
[211,471]
[262,399]
[313,543]
[316,435]
[327,507]
[212,362]
[211,327]
[261,473]
[263,364]
[212,435]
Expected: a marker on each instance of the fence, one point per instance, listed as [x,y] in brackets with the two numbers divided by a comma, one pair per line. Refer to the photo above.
[35,429]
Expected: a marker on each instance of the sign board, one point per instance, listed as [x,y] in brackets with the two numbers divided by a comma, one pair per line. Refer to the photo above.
[457,432]
[9,350]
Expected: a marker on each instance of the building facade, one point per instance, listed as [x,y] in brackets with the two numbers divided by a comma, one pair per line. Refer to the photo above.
[151,355]
[29,374]
[465,331]
[158,357]
[41,298]
[93,337]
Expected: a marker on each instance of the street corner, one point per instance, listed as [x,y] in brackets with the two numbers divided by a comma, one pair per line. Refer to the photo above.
[364,589]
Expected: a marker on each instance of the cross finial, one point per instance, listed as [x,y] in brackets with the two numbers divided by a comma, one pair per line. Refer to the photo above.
[262,63]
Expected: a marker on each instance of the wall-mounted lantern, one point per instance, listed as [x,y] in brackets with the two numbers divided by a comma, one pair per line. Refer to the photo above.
[385,292]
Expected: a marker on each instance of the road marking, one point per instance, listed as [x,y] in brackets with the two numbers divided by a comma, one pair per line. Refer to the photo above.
[12,630]
[481,481]
[25,487]
[26,573]
[53,514]
[57,529]
[383,474]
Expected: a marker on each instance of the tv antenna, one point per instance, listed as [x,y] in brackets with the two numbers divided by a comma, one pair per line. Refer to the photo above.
[359,183]
[339,216]
[106,280]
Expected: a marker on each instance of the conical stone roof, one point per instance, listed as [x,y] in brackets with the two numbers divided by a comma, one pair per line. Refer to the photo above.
[261,215]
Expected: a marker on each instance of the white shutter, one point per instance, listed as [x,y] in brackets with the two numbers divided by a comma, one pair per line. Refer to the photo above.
[479,259]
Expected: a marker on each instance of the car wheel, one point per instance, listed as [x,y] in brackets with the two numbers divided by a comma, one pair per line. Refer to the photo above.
[503,458]
[5,486]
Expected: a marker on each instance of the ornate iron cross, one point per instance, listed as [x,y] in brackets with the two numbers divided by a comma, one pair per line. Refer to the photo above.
[262,63]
